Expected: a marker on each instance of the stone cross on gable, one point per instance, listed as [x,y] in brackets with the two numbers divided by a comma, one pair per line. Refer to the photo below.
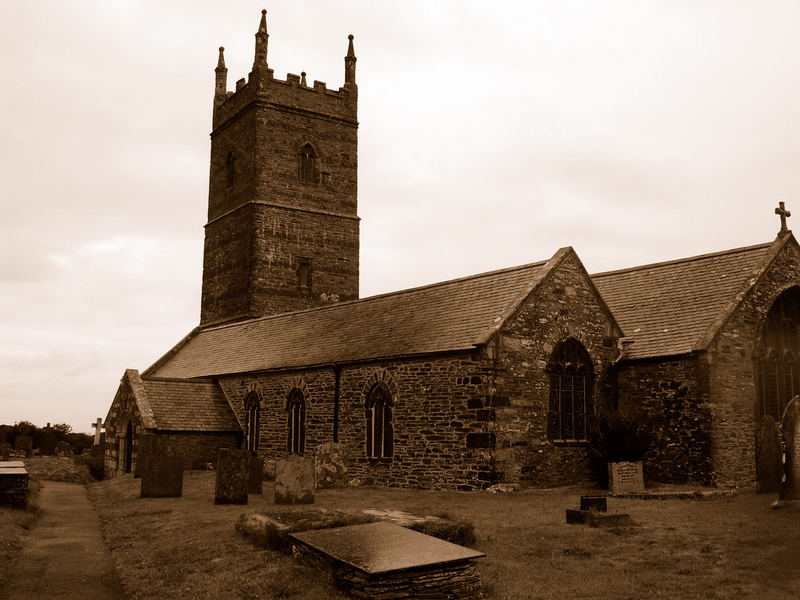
[781,210]
[97,427]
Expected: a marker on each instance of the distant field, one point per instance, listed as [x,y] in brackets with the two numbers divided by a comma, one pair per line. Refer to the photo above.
[730,547]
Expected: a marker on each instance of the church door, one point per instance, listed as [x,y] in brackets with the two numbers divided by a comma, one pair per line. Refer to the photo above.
[128,447]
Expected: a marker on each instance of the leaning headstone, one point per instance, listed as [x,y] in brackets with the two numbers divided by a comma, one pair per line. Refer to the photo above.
[790,427]
[294,480]
[5,451]
[255,480]
[769,454]
[625,477]
[162,476]
[233,476]
[330,466]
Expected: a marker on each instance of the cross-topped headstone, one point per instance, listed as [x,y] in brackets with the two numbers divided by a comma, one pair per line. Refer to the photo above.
[781,210]
[97,427]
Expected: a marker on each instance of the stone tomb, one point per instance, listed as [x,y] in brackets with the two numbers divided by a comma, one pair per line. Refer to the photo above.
[13,483]
[233,476]
[294,480]
[790,427]
[769,456]
[382,560]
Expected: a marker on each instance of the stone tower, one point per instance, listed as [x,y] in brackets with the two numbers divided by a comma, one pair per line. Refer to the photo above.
[282,231]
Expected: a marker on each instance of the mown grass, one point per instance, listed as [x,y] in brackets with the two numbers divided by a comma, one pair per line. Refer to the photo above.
[729,547]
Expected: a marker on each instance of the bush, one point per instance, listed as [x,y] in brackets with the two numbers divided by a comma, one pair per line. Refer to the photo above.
[617,437]
[95,464]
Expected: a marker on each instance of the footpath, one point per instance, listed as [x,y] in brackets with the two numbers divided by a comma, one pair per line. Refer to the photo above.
[65,556]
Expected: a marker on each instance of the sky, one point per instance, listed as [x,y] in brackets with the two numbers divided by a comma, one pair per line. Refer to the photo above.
[491,134]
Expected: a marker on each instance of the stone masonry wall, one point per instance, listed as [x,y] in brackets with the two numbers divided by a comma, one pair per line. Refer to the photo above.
[123,408]
[732,373]
[441,440]
[564,305]
[673,394]
[199,449]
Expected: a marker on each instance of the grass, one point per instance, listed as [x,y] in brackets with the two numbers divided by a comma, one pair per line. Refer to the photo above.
[727,547]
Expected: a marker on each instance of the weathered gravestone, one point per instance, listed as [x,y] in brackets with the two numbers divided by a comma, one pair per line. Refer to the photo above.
[330,466]
[25,444]
[294,480]
[625,477]
[161,469]
[255,482]
[769,454]
[5,451]
[790,427]
[596,503]
[233,476]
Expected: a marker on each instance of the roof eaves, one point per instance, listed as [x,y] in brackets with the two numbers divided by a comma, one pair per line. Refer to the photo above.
[711,332]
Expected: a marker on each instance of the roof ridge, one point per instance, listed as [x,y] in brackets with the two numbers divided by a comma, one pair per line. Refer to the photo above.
[376,296]
[682,260]
[206,380]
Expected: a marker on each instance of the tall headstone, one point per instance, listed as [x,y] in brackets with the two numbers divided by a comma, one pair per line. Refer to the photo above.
[5,451]
[233,476]
[294,480]
[790,427]
[255,482]
[769,454]
[160,468]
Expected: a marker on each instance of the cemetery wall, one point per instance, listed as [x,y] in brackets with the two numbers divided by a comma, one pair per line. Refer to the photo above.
[565,305]
[732,371]
[673,394]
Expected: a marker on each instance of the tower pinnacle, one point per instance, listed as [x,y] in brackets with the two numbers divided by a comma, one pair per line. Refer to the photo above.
[262,37]
[221,83]
[350,65]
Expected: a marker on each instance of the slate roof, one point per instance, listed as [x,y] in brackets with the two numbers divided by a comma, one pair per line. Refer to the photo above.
[189,406]
[670,308]
[448,316]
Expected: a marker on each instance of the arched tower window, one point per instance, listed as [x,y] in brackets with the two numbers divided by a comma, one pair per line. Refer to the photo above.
[571,383]
[308,165]
[230,169]
[380,431]
[777,365]
[252,407]
[296,422]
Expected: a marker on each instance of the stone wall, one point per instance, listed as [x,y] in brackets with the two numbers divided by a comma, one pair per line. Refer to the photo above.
[199,449]
[732,373]
[673,394]
[565,305]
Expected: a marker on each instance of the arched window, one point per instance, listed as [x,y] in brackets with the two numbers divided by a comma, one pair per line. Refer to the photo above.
[296,423]
[570,405]
[777,363]
[380,432]
[252,407]
[308,165]
[230,169]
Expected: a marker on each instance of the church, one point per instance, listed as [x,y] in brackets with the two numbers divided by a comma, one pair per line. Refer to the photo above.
[492,378]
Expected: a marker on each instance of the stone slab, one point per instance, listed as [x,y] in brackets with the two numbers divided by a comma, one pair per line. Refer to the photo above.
[294,480]
[379,548]
[597,519]
[790,428]
[162,477]
[598,503]
[233,476]
[625,477]
[769,456]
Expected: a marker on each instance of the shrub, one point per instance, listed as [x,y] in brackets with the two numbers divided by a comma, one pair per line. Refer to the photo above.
[616,437]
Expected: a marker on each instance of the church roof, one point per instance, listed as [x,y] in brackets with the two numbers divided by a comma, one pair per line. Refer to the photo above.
[188,406]
[673,307]
[453,315]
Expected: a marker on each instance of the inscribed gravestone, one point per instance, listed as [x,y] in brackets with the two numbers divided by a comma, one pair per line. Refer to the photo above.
[294,480]
[256,479]
[769,452]
[790,427]
[233,476]
[625,477]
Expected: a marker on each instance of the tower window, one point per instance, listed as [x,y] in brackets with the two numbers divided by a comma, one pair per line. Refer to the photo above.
[304,274]
[308,165]
[230,169]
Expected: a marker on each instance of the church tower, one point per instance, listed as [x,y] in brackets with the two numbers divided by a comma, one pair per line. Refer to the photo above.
[282,231]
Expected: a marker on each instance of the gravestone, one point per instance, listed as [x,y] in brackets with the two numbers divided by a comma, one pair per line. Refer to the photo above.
[162,477]
[47,441]
[769,456]
[25,444]
[233,476]
[790,427]
[330,466]
[255,482]
[596,503]
[5,451]
[625,477]
[294,480]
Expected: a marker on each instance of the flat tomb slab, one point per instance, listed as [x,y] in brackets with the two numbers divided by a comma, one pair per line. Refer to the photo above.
[12,463]
[378,548]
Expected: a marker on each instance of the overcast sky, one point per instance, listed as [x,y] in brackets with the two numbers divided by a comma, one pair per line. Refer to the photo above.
[491,134]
